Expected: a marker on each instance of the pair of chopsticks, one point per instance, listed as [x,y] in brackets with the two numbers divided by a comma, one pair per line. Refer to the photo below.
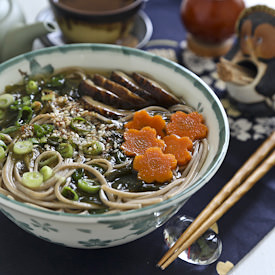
[259,163]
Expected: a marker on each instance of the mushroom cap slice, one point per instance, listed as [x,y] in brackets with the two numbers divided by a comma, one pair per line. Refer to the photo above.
[120,91]
[128,82]
[89,88]
[103,109]
[162,96]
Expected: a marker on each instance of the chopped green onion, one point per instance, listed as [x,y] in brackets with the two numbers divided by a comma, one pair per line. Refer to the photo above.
[78,124]
[15,105]
[47,172]
[78,174]
[10,129]
[34,140]
[6,100]
[22,147]
[32,179]
[2,114]
[69,193]
[88,185]
[48,128]
[2,137]
[3,144]
[24,116]
[48,161]
[2,153]
[66,150]
[43,140]
[54,141]
[26,101]
[39,131]
[93,148]
[48,95]
[32,87]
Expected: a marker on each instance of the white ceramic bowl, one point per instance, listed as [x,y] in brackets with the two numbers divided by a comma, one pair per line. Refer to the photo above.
[105,230]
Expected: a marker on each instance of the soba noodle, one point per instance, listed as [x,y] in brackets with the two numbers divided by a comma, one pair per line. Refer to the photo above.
[60,113]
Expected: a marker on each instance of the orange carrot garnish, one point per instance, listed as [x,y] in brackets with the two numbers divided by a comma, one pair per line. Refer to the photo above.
[138,141]
[190,125]
[154,165]
[142,119]
[178,146]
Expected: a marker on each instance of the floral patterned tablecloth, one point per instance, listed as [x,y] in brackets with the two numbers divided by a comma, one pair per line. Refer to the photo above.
[240,229]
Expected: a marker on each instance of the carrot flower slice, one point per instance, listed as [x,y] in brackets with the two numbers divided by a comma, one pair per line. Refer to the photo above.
[142,119]
[190,125]
[154,165]
[179,146]
[138,141]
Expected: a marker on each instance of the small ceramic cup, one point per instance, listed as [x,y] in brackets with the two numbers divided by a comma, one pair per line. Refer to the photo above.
[102,23]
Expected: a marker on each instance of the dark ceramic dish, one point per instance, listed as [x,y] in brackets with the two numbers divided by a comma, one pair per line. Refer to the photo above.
[94,26]
[138,37]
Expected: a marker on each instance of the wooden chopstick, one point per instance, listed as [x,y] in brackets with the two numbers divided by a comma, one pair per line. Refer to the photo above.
[241,182]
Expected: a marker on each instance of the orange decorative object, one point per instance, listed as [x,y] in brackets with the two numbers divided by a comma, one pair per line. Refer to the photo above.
[179,146]
[154,165]
[187,125]
[210,24]
[142,119]
[138,141]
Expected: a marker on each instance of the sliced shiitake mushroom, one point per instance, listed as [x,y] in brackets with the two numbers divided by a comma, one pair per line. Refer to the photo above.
[88,87]
[120,91]
[101,108]
[128,82]
[159,93]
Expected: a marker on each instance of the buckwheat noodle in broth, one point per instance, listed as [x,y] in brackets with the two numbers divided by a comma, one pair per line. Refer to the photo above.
[61,143]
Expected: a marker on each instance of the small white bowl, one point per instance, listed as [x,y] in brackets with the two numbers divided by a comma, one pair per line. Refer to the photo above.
[106,230]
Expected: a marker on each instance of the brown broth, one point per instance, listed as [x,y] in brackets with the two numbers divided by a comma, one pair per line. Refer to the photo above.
[95,5]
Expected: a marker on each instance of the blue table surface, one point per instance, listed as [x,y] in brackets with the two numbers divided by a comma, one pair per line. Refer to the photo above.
[240,229]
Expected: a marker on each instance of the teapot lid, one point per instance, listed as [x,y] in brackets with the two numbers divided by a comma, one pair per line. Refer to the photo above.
[5,6]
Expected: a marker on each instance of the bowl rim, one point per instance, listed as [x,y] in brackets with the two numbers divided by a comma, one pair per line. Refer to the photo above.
[74,11]
[224,132]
